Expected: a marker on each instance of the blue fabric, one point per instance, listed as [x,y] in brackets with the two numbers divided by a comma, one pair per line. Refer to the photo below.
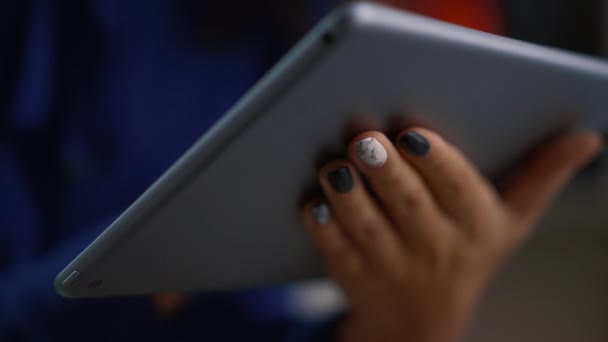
[321,329]
[97,99]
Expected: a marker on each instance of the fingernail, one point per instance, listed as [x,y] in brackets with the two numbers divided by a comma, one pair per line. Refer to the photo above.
[371,152]
[341,180]
[320,213]
[414,143]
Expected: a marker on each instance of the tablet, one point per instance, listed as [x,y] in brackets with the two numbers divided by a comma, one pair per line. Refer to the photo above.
[226,214]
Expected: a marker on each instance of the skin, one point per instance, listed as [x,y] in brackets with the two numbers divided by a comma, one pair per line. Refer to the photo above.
[414,250]
[415,257]
[432,252]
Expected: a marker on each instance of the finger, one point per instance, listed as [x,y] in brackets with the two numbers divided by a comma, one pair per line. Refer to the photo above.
[358,214]
[401,190]
[537,183]
[462,193]
[340,258]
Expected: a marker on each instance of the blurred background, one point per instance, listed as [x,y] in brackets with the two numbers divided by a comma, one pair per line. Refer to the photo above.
[99,97]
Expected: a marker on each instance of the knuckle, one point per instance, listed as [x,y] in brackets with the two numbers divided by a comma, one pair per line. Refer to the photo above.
[352,268]
[363,219]
[400,275]
[415,199]
[408,192]
[478,223]
[483,220]
[341,259]
[339,253]
[366,227]
[440,254]
[357,208]
[460,263]
[369,233]
[459,183]
[392,178]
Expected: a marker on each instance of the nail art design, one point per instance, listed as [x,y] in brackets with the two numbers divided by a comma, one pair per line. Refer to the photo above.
[371,152]
[320,213]
[341,180]
[415,144]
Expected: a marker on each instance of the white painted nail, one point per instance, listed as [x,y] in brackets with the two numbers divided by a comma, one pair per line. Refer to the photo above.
[320,214]
[371,152]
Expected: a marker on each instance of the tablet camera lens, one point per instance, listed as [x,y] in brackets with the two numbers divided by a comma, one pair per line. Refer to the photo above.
[95,284]
[328,38]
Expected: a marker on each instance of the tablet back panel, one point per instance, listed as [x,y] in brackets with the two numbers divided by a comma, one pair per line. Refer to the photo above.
[226,214]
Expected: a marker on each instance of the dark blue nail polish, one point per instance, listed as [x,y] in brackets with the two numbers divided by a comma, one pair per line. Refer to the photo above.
[414,143]
[341,180]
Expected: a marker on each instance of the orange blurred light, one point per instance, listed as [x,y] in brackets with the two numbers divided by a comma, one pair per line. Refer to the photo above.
[481,15]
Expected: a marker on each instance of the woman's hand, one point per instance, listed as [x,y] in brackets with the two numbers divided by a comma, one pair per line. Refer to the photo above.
[414,253]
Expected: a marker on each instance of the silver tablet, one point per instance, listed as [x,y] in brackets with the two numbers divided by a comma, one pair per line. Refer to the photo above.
[225,215]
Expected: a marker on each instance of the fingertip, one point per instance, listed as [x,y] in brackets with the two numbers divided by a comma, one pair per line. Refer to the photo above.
[332,166]
[371,150]
[316,213]
[530,192]
[321,214]
[415,142]
[584,146]
[338,177]
[595,142]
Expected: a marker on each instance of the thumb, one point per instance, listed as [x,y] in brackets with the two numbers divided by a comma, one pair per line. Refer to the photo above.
[536,184]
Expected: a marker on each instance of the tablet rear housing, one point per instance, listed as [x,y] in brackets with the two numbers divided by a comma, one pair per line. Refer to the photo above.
[225,215]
